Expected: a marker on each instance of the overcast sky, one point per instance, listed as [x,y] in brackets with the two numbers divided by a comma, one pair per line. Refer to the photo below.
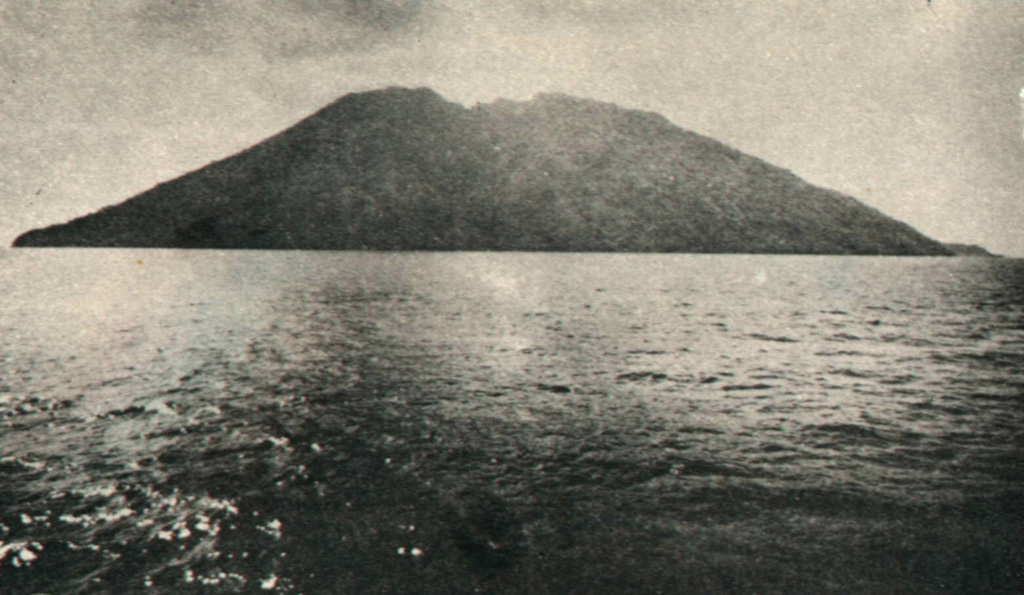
[912,107]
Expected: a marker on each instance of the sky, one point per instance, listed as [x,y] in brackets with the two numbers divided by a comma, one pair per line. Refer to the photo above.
[913,107]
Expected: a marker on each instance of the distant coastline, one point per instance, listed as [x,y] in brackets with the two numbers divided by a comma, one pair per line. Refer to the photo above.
[970,250]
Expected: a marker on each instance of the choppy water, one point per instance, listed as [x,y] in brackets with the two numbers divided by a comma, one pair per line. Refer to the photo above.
[224,422]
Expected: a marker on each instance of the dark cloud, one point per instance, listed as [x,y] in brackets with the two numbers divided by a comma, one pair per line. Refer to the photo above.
[196,26]
[382,15]
[308,28]
[280,29]
[591,12]
[178,12]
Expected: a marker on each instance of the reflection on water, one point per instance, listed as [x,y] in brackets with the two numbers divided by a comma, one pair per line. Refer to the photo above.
[344,422]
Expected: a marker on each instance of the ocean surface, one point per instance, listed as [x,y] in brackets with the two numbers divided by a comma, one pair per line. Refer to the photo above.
[337,422]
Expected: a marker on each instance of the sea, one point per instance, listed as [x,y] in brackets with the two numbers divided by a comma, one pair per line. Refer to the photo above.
[199,421]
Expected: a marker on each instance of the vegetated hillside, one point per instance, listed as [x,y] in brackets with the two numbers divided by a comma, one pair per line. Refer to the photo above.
[402,169]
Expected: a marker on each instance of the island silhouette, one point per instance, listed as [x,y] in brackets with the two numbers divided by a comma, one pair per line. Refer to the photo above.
[405,169]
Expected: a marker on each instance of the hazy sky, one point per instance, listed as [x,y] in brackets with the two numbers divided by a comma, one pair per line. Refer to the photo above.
[913,107]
